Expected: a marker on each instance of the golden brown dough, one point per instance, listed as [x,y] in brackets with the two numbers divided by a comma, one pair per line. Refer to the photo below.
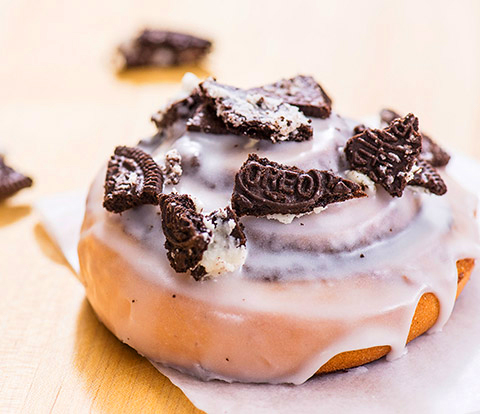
[425,316]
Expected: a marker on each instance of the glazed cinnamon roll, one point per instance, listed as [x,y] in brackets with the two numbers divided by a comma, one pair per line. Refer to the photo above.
[262,237]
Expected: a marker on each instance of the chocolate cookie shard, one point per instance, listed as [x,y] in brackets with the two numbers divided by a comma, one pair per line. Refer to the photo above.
[182,109]
[386,156]
[431,151]
[427,177]
[11,181]
[204,245]
[163,48]
[133,178]
[256,115]
[186,234]
[205,120]
[263,187]
[301,91]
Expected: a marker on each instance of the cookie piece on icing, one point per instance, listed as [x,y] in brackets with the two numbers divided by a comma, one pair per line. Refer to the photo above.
[163,48]
[172,168]
[182,109]
[263,188]
[256,115]
[186,235]
[431,151]
[427,177]
[206,120]
[301,91]
[11,181]
[133,178]
[386,156]
[205,246]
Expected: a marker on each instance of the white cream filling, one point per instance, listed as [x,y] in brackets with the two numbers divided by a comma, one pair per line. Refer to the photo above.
[361,179]
[222,255]
[288,218]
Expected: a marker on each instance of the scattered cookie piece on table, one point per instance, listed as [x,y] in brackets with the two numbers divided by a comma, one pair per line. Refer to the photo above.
[133,178]
[162,48]
[11,181]
[386,156]
[265,188]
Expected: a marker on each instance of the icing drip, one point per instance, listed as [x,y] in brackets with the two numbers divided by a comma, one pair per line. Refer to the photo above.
[350,276]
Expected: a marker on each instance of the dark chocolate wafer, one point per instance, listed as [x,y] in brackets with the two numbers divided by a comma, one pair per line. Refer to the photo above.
[255,115]
[386,156]
[133,178]
[301,91]
[431,151]
[186,235]
[263,187]
[11,181]
[427,177]
[163,48]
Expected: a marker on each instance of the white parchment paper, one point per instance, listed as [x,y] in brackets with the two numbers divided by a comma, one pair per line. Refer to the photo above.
[439,374]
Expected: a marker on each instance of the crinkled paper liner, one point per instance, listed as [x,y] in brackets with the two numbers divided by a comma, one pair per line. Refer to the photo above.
[439,374]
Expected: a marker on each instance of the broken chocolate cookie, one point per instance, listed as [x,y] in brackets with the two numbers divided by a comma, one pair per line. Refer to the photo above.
[256,115]
[386,156]
[431,151]
[133,178]
[11,181]
[427,177]
[301,91]
[205,246]
[263,187]
[163,48]
[186,235]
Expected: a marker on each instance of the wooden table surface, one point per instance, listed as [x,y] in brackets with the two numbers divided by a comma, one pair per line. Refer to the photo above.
[62,111]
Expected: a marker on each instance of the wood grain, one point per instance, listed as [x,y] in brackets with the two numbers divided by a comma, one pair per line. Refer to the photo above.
[62,110]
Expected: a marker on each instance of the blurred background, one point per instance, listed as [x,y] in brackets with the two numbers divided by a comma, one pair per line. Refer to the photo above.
[60,98]
[63,109]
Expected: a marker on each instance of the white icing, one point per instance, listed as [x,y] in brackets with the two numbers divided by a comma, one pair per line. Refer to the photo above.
[288,218]
[349,278]
[222,255]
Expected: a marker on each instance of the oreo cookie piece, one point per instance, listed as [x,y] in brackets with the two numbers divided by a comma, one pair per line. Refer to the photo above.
[205,120]
[301,91]
[431,151]
[263,187]
[386,156]
[11,181]
[255,115]
[186,234]
[163,48]
[133,178]
[205,246]
[428,178]
[180,110]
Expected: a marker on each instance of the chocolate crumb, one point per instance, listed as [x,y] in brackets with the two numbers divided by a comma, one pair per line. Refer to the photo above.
[362,256]
[163,48]
[227,359]
[133,300]
[174,296]
[386,156]
[359,129]
[133,178]
[11,181]
[263,187]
